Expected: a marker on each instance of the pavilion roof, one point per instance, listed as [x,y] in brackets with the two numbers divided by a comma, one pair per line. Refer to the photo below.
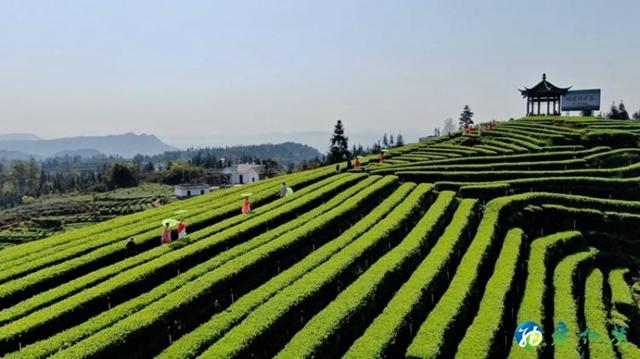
[544,88]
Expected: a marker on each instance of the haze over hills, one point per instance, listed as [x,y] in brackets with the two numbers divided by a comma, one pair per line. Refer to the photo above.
[84,153]
[19,137]
[22,146]
[316,139]
[125,145]
[15,156]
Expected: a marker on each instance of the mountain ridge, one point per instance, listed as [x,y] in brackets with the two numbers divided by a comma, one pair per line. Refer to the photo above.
[125,145]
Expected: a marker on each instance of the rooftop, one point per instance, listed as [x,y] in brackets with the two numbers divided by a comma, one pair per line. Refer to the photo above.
[544,88]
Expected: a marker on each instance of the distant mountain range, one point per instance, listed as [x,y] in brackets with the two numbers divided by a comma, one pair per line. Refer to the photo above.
[22,146]
[19,137]
[84,153]
[284,153]
[15,156]
[126,145]
[316,139]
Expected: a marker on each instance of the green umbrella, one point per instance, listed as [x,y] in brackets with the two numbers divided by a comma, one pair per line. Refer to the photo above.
[360,157]
[179,211]
[385,150]
[246,194]
[289,191]
[171,221]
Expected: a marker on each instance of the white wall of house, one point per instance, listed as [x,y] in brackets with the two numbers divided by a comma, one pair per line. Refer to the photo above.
[246,177]
[186,192]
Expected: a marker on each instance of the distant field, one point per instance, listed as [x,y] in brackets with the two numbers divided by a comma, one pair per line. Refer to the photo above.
[53,215]
[439,252]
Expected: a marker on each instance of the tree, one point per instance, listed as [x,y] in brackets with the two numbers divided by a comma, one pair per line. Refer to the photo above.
[392,143]
[466,116]
[613,112]
[20,176]
[376,147]
[399,140]
[449,126]
[622,112]
[123,175]
[618,112]
[385,141]
[636,115]
[149,167]
[339,149]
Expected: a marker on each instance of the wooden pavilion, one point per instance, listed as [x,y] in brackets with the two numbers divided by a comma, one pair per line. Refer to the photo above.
[543,92]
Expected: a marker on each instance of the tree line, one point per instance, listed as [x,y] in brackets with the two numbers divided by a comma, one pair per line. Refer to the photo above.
[619,112]
[339,148]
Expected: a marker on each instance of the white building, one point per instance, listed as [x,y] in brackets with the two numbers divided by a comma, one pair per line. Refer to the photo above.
[245,173]
[190,190]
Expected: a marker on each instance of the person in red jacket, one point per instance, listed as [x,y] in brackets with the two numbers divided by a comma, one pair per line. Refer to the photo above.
[357,164]
[246,205]
[381,157]
[182,229]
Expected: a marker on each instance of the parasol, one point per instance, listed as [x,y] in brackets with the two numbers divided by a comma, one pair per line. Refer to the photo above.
[172,222]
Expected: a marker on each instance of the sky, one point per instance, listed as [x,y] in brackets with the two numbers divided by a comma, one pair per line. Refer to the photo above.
[178,69]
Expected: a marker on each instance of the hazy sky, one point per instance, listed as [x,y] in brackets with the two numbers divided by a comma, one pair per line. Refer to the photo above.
[72,68]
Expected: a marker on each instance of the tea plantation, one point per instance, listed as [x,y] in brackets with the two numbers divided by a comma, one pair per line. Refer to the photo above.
[439,252]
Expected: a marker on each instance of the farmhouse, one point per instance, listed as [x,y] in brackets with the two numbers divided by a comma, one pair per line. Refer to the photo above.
[245,173]
[190,190]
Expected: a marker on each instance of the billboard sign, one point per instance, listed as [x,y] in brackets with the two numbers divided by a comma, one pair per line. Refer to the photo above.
[581,100]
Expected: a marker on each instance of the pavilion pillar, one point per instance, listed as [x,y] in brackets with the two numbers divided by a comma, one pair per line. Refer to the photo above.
[528,106]
[548,105]
[538,107]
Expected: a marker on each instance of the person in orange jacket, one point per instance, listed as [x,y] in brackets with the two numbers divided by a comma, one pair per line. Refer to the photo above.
[357,163]
[246,205]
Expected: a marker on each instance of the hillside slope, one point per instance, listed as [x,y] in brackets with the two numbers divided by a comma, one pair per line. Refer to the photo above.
[440,251]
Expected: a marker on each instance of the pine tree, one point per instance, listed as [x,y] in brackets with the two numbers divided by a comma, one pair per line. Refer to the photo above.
[399,140]
[391,141]
[385,141]
[622,112]
[613,112]
[339,149]
[149,167]
[466,116]
[636,115]
[376,147]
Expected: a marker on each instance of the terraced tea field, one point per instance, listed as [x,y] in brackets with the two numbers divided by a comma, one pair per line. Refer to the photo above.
[51,216]
[439,252]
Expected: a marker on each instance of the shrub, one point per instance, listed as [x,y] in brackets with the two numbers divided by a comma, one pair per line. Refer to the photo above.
[611,138]
[568,281]
[192,344]
[354,304]
[596,315]
[482,337]
[246,337]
